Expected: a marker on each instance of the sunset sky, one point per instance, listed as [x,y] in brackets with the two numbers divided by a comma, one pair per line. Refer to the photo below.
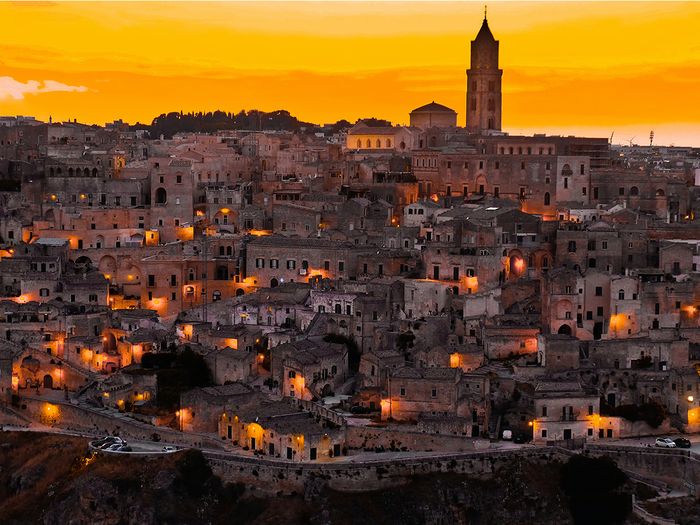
[574,68]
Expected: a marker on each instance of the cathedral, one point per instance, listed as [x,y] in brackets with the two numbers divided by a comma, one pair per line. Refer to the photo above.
[483,104]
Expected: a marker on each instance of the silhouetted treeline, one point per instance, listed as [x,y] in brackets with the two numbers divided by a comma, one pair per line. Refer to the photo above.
[168,124]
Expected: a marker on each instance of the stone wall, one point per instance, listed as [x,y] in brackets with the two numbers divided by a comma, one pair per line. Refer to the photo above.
[398,438]
[677,467]
[289,477]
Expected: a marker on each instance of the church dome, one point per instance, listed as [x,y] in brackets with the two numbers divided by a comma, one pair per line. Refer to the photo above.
[434,107]
[433,115]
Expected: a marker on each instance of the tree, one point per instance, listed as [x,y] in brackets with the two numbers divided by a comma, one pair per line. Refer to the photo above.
[592,487]
[189,370]
[353,351]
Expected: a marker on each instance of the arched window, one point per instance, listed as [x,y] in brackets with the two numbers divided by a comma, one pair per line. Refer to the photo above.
[388,143]
[359,144]
[545,262]
[379,143]
[621,295]
[94,172]
[402,145]
[334,370]
[161,196]
[369,143]
[70,172]
[546,199]
[221,250]
[634,191]
[86,172]
[229,250]
[572,246]
[660,193]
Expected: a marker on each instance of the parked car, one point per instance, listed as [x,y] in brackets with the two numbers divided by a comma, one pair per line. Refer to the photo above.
[507,435]
[664,443]
[521,438]
[168,448]
[682,443]
[115,447]
[98,443]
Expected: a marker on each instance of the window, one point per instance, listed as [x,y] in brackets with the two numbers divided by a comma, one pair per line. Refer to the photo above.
[341,266]
[260,262]
[44,292]
[621,295]
[544,432]
[402,391]
[433,392]
[546,199]
[599,291]
[291,264]
[274,263]
[544,411]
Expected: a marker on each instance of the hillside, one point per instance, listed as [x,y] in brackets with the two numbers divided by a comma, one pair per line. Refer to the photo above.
[52,480]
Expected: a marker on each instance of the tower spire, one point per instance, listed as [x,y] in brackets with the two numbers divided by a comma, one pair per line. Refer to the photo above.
[485,11]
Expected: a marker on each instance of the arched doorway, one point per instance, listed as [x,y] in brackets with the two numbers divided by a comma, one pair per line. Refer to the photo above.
[273,283]
[239,292]
[48,381]
[161,196]
[564,329]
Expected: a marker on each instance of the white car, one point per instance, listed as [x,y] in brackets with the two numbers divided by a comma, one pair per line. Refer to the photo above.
[168,448]
[664,443]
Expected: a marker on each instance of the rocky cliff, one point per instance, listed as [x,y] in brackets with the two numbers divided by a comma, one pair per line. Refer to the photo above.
[54,480]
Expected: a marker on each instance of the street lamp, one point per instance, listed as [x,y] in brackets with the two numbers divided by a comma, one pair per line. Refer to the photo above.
[690,399]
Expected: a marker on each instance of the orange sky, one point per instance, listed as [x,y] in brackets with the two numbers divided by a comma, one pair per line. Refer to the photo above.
[585,68]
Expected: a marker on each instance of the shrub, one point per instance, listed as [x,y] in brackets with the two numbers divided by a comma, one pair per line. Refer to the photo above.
[651,413]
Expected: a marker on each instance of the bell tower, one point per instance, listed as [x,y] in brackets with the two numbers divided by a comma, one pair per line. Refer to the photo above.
[484,83]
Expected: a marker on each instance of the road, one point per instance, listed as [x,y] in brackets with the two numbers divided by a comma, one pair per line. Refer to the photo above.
[649,441]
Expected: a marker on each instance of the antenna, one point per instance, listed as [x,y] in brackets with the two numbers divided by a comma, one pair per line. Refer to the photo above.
[651,138]
[484,11]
